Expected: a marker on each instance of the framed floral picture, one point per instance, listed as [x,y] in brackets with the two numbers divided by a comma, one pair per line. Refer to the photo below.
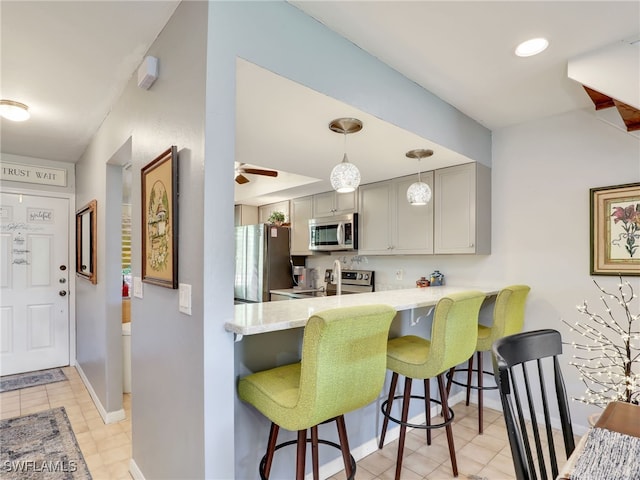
[615,230]
[160,220]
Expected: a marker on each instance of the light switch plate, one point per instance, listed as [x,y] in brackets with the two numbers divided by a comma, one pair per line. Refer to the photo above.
[185,298]
[137,287]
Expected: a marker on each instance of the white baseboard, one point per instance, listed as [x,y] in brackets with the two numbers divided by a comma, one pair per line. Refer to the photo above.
[135,471]
[107,417]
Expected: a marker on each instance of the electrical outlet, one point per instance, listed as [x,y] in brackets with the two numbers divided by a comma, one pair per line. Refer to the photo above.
[399,274]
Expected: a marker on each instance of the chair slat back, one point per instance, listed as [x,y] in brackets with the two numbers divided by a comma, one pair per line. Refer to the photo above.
[520,361]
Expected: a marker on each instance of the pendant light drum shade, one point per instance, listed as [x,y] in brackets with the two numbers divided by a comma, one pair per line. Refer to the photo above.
[419,193]
[345,176]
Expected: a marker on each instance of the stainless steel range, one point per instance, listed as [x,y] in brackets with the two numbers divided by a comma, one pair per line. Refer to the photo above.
[353,281]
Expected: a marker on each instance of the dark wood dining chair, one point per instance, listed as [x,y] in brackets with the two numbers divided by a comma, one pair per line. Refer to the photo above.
[519,362]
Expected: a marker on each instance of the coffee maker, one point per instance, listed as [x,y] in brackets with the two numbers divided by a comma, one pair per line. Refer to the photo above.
[304,278]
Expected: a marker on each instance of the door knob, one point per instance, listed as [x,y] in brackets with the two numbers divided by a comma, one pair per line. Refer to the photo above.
[62,293]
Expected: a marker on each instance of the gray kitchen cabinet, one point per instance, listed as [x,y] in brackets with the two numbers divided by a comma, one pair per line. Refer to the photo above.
[388,224]
[301,212]
[264,211]
[462,215]
[333,203]
[245,215]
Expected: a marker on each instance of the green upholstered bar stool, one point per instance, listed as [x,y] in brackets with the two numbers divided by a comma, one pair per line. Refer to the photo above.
[343,367]
[508,318]
[453,338]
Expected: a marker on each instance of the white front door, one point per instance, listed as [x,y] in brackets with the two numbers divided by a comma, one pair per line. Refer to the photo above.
[34,282]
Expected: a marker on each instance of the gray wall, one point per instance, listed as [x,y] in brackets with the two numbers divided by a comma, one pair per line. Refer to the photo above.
[167,346]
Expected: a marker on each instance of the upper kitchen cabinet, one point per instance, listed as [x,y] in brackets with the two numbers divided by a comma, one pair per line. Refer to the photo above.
[389,225]
[265,211]
[301,213]
[245,215]
[334,203]
[462,209]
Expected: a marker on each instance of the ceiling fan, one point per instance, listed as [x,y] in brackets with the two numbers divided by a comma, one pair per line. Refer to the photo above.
[240,170]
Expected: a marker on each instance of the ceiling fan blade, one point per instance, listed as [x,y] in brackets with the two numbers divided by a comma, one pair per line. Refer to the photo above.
[259,171]
[241,179]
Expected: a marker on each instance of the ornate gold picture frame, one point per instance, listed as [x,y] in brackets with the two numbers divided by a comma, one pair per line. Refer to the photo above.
[615,230]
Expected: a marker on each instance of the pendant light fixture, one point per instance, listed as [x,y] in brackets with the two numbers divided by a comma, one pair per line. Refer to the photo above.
[419,193]
[14,111]
[345,177]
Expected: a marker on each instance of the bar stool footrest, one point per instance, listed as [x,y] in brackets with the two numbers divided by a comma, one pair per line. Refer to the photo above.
[415,425]
[294,442]
[475,387]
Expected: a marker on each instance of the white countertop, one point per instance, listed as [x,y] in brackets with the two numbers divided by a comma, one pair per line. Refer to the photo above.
[254,318]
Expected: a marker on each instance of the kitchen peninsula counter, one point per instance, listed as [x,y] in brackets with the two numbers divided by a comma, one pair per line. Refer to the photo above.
[256,318]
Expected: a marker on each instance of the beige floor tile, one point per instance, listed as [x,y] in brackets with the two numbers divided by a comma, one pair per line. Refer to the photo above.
[490,443]
[491,473]
[478,453]
[117,454]
[376,463]
[419,464]
[503,463]
[9,414]
[34,409]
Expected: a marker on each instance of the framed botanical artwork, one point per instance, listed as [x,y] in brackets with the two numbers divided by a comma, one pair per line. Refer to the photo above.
[615,230]
[160,220]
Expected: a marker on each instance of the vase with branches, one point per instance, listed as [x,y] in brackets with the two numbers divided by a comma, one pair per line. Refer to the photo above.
[608,355]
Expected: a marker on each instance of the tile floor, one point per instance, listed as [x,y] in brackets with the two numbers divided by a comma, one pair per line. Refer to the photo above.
[107,448]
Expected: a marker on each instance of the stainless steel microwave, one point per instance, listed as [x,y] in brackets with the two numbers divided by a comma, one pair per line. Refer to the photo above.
[334,233]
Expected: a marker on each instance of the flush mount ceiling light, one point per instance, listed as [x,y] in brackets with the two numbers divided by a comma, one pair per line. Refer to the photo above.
[14,111]
[532,47]
[419,193]
[345,177]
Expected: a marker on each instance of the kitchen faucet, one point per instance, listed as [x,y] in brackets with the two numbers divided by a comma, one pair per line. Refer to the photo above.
[337,276]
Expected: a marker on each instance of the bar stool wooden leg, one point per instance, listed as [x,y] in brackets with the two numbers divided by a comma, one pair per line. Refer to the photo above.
[385,423]
[452,370]
[445,412]
[469,376]
[403,426]
[480,375]
[344,444]
[301,453]
[271,448]
[314,452]
[427,408]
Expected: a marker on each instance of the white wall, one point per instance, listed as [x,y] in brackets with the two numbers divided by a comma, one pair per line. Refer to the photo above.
[541,175]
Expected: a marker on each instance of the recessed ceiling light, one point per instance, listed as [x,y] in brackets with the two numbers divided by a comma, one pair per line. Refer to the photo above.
[532,47]
[14,111]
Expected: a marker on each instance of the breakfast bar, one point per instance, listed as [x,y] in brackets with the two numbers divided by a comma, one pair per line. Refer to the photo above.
[256,318]
[270,334]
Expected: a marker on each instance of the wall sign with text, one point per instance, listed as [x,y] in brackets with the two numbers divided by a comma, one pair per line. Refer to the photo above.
[16,172]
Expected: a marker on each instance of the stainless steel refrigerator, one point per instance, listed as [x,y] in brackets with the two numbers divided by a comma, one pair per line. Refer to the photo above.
[262,262]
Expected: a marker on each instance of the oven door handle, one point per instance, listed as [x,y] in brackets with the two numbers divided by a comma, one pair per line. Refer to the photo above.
[340,234]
